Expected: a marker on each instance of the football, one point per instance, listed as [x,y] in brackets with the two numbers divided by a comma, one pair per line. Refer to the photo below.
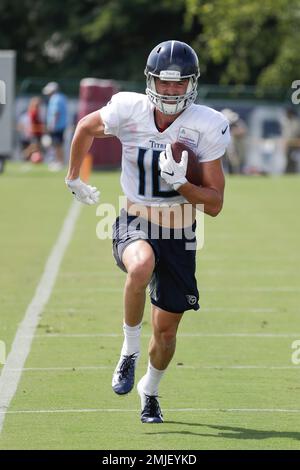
[193,173]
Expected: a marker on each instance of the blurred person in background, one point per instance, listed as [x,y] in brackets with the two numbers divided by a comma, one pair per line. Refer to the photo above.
[23,129]
[30,128]
[291,135]
[236,151]
[56,122]
[36,130]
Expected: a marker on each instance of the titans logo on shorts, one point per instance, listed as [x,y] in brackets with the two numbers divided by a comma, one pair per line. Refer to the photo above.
[173,284]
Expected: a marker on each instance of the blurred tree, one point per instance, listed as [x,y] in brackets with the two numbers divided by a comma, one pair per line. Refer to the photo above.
[238,41]
[104,38]
[124,32]
[248,41]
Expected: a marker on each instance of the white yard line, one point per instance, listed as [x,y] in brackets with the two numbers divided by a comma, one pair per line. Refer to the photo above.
[252,289]
[75,368]
[278,289]
[181,335]
[240,310]
[87,311]
[90,290]
[175,410]
[242,367]
[12,370]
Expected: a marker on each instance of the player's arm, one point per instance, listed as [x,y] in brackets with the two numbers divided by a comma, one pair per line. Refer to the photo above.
[211,192]
[87,129]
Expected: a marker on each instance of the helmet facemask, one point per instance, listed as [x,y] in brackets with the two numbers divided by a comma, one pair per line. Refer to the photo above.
[171,104]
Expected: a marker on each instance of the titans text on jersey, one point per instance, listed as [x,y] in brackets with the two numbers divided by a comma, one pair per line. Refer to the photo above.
[130,117]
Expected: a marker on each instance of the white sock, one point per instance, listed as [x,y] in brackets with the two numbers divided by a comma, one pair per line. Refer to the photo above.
[151,380]
[132,335]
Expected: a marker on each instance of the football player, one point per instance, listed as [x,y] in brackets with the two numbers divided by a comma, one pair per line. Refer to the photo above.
[151,180]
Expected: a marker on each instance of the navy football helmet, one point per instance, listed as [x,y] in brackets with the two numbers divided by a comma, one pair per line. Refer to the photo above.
[172,61]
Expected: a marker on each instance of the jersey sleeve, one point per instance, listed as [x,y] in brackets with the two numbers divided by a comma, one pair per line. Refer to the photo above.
[215,141]
[115,113]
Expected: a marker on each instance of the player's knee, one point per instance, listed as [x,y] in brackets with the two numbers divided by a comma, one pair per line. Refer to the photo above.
[140,272]
[166,337]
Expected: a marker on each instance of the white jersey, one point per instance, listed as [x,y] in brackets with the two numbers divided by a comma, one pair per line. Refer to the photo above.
[130,117]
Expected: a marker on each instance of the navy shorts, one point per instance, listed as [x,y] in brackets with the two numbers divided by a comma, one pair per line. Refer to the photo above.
[173,286]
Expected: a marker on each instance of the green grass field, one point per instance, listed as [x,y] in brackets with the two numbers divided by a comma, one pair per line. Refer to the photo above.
[232,383]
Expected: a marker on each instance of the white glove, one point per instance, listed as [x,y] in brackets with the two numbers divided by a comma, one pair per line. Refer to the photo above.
[173,173]
[83,192]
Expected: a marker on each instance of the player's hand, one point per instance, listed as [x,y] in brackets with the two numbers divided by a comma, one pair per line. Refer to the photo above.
[172,172]
[83,192]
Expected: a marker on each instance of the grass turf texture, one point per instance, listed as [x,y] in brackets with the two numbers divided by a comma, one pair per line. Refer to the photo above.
[248,275]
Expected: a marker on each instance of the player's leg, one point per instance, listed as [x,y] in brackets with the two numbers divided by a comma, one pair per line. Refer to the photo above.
[163,341]
[139,260]
[173,290]
[161,350]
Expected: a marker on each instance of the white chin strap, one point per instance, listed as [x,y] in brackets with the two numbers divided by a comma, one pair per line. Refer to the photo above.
[171,104]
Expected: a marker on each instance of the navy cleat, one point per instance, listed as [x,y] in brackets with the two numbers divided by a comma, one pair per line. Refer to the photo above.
[151,412]
[123,377]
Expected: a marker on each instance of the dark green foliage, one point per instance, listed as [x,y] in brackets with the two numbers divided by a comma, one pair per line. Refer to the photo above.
[249,41]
